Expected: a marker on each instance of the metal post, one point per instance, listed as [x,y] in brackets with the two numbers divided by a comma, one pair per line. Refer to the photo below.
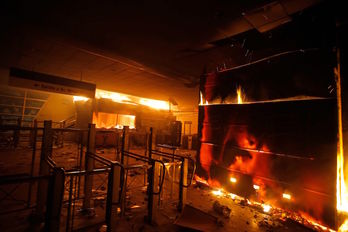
[54,200]
[16,133]
[150,192]
[123,144]
[33,143]
[89,165]
[69,204]
[183,182]
[46,151]
[154,173]
[114,196]
[150,143]
[80,164]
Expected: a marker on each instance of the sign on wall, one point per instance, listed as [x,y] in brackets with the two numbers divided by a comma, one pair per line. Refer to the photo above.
[44,82]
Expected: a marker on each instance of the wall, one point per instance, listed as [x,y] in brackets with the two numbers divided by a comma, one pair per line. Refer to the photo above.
[57,108]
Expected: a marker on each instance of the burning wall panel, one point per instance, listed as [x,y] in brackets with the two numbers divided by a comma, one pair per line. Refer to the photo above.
[279,142]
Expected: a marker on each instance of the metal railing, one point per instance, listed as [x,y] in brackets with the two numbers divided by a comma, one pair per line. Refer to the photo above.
[174,157]
[112,199]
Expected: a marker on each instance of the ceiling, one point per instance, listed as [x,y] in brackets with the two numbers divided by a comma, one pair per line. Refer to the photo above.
[156,49]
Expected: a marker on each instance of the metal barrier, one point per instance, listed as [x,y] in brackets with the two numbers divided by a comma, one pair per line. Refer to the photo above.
[113,196]
[183,173]
[156,175]
[115,172]
[59,185]
[183,160]
[154,186]
[53,194]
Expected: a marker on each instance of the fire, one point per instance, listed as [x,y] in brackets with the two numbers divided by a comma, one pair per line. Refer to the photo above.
[218,192]
[201,180]
[287,196]
[342,194]
[107,120]
[116,97]
[156,104]
[233,180]
[233,196]
[200,98]
[239,95]
[266,208]
[256,187]
[344,227]
[80,98]
[132,100]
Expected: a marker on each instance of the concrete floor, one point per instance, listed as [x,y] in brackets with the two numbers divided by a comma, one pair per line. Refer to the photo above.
[243,217]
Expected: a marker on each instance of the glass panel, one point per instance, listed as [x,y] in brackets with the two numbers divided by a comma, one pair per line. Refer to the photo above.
[31,111]
[38,95]
[8,119]
[11,101]
[33,103]
[11,110]
[11,91]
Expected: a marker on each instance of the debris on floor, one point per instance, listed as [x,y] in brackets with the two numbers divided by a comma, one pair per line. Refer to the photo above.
[221,209]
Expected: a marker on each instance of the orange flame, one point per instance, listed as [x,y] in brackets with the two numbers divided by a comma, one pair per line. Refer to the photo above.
[239,95]
[133,100]
[342,194]
[80,98]
[344,227]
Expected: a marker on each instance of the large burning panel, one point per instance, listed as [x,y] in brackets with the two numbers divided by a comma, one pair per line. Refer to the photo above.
[268,132]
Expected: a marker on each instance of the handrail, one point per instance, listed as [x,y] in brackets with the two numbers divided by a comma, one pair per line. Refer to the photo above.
[136,156]
[99,158]
[172,156]
[110,163]
[84,172]
[70,129]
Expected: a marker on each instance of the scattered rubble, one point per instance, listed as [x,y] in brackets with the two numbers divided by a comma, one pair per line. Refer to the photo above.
[221,209]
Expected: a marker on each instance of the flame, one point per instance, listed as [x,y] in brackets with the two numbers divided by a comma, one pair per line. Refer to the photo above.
[233,180]
[80,98]
[132,100]
[266,208]
[342,194]
[287,196]
[201,180]
[156,104]
[344,227]
[218,192]
[200,98]
[256,187]
[107,120]
[116,97]
[233,196]
[239,95]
